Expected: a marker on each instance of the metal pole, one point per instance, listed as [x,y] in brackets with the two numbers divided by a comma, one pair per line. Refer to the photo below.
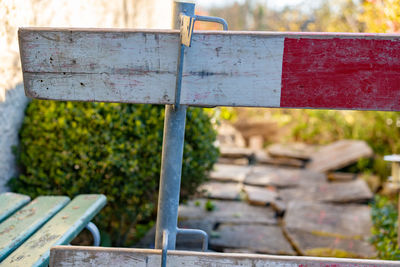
[171,161]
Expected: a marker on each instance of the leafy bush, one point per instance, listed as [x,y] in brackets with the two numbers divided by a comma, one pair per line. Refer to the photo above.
[71,148]
[384,217]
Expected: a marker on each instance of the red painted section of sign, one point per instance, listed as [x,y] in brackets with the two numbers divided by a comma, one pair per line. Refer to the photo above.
[341,73]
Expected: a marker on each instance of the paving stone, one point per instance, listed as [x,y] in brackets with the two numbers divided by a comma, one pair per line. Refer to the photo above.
[260,195]
[229,135]
[338,155]
[356,191]
[229,161]
[261,157]
[269,130]
[351,221]
[324,245]
[225,191]
[341,176]
[227,212]
[228,172]
[293,150]
[323,229]
[235,152]
[256,142]
[283,177]
[254,238]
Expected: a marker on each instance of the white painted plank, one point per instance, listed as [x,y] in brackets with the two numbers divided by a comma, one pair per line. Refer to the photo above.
[264,69]
[140,67]
[66,256]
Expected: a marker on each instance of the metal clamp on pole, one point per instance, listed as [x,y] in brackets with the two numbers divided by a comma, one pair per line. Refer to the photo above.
[172,151]
[186,30]
[196,232]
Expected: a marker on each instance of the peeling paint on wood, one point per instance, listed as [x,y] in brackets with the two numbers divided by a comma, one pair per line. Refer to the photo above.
[11,202]
[66,256]
[60,230]
[263,69]
[17,228]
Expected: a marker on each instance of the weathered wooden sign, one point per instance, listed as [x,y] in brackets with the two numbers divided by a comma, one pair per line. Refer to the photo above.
[254,69]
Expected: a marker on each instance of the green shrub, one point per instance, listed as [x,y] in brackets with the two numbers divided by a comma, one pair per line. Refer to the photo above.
[72,148]
[384,231]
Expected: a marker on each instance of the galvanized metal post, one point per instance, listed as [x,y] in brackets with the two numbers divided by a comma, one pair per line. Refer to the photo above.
[172,153]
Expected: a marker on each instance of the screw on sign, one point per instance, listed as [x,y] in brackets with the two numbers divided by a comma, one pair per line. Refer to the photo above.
[243,69]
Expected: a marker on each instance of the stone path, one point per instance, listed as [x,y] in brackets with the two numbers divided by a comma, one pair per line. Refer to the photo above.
[276,209]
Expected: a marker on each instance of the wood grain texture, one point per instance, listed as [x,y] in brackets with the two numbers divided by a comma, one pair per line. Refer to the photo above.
[11,202]
[341,74]
[60,230]
[65,256]
[140,67]
[22,224]
[263,69]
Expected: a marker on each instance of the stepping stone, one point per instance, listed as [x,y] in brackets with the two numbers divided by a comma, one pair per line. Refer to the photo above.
[261,157]
[260,196]
[229,135]
[338,155]
[351,221]
[229,173]
[294,150]
[356,191]
[253,238]
[235,152]
[324,229]
[282,177]
[227,212]
[341,176]
[268,129]
[225,191]
[229,161]
[324,245]
[256,142]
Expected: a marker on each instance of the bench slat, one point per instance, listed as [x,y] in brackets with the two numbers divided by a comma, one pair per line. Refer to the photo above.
[254,69]
[64,256]
[60,230]
[11,202]
[22,224]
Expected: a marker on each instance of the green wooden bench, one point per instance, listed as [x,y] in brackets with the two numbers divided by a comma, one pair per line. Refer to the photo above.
[29,229]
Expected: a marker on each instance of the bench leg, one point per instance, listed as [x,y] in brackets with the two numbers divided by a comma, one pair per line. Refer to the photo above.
[95,233]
